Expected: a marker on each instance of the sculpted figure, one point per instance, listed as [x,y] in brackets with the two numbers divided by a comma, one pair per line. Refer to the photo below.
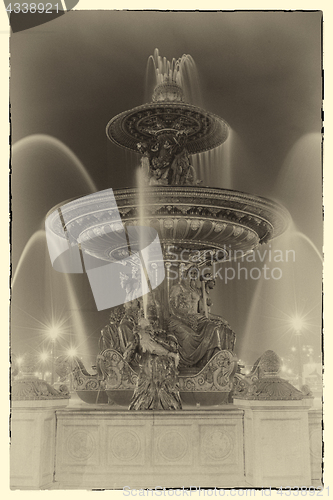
[182,171]
[118,334]
[199,334]
[159,156]
[228,336]
[157,385]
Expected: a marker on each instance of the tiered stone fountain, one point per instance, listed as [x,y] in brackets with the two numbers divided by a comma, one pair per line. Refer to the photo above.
[169,322]
[149,254]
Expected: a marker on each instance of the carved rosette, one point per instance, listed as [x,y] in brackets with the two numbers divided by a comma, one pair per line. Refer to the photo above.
[81,445]
[218,445]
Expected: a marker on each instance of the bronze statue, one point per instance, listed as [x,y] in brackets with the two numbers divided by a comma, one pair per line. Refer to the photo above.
[165,159]
[199,334]
[157,386]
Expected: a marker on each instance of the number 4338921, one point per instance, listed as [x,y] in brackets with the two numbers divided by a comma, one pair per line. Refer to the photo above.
[48,8]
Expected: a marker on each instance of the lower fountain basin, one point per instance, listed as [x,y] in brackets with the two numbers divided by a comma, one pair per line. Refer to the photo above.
[123,398]
[204,398]
[93,397]
[185,217]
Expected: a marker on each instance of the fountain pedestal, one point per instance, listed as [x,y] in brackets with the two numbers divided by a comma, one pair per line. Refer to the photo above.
[33,426]
[277,447]
[109,448]
[33,436]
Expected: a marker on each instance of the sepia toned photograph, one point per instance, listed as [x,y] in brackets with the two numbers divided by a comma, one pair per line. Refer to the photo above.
[166,250]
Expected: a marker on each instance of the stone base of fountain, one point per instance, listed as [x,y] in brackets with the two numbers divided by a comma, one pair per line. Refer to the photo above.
[268,437]
[119,449]
[200,448]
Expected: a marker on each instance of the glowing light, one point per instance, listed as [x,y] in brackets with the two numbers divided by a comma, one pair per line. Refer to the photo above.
[293,349]
[54,332]
[283,368]
[297,323]
[43,356]
[72,352]
[19,360]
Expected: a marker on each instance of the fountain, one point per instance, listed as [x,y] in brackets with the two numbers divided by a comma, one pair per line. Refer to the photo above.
[170,225]
[161,326]
[150,254]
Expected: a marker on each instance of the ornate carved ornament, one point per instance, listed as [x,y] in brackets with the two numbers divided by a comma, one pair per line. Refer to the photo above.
[117,373]
[84,381]
[193,217]
[204,130]
[32,388]
[217,375]
[264,384]
[273,389]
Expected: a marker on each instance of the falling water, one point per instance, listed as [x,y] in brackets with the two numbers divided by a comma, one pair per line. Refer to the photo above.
[38,140]
[81,335]
[182,71]
[276,301]
[56,289]
[310,242]
[45,172]
[37,237]
[214,167]
[140,179]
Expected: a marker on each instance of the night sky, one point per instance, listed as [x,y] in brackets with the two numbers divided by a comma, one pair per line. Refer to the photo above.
[259,71]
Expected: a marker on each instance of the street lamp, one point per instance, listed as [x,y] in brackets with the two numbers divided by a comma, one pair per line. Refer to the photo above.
[53,334]
[43,357]
[297,324]
[71,353]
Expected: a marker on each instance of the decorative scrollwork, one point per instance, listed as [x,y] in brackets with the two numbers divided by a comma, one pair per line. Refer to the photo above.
[117,372]
[217,375]
[240,386]
[82,380]
[92,385]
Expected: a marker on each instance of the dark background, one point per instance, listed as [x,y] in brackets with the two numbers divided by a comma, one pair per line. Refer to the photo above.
[260,71]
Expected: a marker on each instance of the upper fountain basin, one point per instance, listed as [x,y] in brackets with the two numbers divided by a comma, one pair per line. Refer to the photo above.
[204,130]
